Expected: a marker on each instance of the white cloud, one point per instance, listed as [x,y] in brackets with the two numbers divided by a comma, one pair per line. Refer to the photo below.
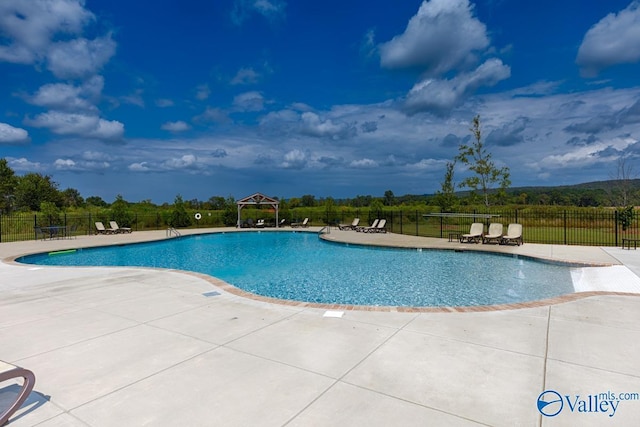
[428,165]
[81,165]
[178,126]
[584,156]
[368,45]
[615,39]
[249,101]
[97,156]
[441,37]
[164,103]
[12,135]
[441,96]
[313,125]
[64,164]
[29,26]
[271,9]
[67,97]
[23,164]
[80,57]
[78,124]
[363,164]
[185,162]
[294,159]
[211,114]
[203,92]
[245,76]
[139,167]
[134,99]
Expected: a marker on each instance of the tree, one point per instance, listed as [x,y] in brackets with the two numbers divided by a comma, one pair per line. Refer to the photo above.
[308,201]
[50,214]
[478,160]
[625,217]
[389,198]
[230,212]
[376,206]
[622,191]
[97,202]
[179,217]
[71,198]
[33,189]
[446,196]
[8,183]
[216,203]
[120,212]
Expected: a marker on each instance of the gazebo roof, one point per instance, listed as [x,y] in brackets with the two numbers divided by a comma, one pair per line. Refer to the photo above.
[258,199]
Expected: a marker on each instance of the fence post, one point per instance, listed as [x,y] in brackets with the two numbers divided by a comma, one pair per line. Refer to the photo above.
[0,228]
[565,227]
[417,222]
[615,219]
[401,221]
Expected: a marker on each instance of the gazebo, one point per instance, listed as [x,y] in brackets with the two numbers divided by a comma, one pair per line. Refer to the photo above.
[257,199]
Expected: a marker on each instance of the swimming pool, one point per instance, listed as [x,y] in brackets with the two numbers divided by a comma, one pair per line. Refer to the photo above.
[301,267]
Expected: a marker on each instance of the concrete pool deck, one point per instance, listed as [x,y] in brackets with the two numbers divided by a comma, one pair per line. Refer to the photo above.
[130,346]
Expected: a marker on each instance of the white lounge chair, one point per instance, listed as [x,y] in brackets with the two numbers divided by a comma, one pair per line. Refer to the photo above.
[351,226]
[474,235]
[304,223]
[101,230]
[514,234]
[379,228]
[374,224]
[260,223]
[117,229]
[494,233]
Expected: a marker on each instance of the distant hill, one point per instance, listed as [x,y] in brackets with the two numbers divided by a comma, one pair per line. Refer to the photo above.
[634,184]
[596,193]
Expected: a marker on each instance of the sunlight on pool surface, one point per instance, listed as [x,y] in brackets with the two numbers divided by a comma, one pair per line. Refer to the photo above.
[301,267]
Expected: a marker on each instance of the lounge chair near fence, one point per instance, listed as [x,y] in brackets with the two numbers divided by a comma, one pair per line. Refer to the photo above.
[374,224]
[474,235]
[514,234]
[117,229]
[9,372]
[304,223]
[260,223]
[352,226]
[379,228]
[101,230]
[494,234]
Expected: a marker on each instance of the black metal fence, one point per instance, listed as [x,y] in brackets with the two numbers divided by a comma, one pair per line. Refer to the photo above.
[568,227]
[22,226]
[597,227]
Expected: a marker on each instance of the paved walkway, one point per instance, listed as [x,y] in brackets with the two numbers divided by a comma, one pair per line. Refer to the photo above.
[125,346]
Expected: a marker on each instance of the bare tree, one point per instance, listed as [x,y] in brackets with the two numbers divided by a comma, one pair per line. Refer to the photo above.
[478,159]
[622,189]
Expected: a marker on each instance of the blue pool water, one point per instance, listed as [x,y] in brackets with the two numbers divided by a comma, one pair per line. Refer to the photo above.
[301,267]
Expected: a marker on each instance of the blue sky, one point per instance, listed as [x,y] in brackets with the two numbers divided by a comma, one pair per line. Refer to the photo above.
[333,98]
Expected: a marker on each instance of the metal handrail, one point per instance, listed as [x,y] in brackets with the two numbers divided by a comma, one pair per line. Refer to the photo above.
[172,231]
